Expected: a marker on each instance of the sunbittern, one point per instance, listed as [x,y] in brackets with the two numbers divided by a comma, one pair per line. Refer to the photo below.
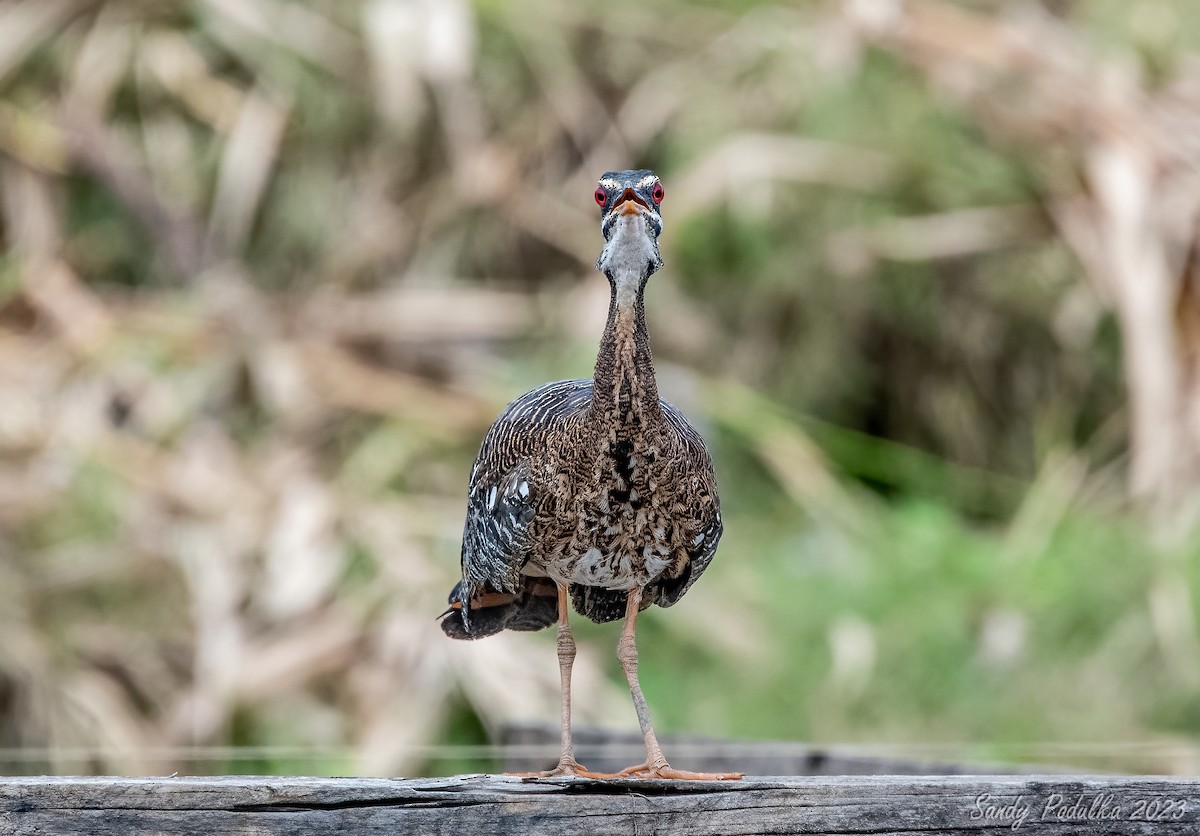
[596,490]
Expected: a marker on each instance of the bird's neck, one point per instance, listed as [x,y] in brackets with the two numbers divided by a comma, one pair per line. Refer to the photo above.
[625,392]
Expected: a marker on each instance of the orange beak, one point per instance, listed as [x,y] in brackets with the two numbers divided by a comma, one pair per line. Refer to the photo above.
[630,203]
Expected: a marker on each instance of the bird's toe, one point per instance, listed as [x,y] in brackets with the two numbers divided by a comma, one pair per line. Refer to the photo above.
[666,772]
[566,769]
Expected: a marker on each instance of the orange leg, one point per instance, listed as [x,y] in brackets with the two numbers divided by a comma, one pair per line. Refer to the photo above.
[656,765]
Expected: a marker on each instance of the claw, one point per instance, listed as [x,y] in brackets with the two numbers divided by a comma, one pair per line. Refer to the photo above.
[667,772]
[565,769]
[642,771]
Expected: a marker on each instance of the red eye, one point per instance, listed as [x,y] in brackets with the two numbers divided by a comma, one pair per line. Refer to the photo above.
[601,197]
[658,194]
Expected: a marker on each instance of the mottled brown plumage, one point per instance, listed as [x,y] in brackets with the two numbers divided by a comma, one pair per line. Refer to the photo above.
[596,490]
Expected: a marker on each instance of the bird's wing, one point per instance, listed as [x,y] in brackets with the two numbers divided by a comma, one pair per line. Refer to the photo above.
[503,494]
[703,527]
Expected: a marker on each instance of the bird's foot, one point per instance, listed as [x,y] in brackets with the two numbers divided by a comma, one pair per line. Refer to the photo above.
[567,767]
[664,771]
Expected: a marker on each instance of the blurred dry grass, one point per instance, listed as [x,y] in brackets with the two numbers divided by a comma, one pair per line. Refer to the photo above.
[1121,175]
[271,267]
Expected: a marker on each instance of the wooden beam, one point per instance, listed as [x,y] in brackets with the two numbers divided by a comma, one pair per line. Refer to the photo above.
[1049,805]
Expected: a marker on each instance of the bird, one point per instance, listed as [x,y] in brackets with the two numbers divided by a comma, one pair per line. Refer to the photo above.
[593,493]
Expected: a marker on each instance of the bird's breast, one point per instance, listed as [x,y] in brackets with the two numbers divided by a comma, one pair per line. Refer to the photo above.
[621,529]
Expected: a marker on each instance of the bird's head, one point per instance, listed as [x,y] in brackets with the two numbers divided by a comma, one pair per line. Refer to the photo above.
[630,222]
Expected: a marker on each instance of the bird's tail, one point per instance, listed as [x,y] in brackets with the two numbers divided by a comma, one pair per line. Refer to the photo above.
[597,603]
[533,607]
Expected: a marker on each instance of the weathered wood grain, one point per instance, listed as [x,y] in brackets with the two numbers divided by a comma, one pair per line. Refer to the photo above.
[1042,804]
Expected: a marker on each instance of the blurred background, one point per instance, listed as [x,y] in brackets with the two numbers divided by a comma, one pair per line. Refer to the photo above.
[270,268]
